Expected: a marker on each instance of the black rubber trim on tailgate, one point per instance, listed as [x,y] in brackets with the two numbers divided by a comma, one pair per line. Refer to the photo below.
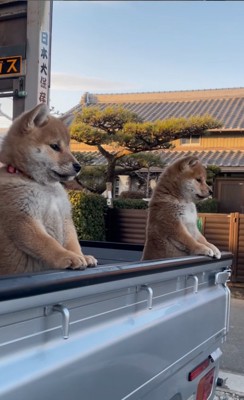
[19,286]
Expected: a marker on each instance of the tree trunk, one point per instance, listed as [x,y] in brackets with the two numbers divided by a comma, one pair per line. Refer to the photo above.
[111,170]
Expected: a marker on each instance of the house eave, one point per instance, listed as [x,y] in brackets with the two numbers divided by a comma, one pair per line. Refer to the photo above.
[227,130]
[239,169]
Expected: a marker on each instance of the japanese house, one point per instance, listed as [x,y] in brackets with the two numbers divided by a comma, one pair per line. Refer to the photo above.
[222,147]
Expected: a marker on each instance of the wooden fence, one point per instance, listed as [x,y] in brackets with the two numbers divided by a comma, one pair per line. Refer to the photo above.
[226,231]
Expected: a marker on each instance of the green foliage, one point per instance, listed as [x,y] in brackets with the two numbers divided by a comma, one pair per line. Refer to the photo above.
[87,134]
[92,177]
[131,194]
[142,160]
[99,128]
[145,160]
[212,172]
[84,158]
[130,204]
[158,135]
[93,170]
[208,206]
[205,206]
[126,133]
[94,126]
[88,215]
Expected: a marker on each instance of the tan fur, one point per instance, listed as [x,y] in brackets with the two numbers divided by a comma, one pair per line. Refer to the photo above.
[172,217]
[36,228]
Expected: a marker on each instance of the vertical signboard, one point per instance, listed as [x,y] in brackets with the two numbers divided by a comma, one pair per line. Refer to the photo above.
[44,61]
[39,22]
[44,68]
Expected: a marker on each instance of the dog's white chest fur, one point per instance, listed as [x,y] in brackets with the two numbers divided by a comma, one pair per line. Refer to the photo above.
[56,204]
[189,217]
[54,208]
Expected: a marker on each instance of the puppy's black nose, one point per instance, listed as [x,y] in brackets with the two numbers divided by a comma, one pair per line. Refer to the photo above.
[76,167]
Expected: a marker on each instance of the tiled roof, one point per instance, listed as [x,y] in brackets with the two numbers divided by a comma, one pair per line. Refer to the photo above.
[225,159]
[146,97]
[95,157]
[220,158]
[229,111]
[226,105]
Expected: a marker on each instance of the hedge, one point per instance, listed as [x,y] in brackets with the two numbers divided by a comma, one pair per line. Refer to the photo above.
[89,213]
[205,206]
[208,206]
[131,194]
[130,204]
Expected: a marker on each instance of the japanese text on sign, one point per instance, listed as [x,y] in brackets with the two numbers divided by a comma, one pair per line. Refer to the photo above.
[10,66]
[44,68]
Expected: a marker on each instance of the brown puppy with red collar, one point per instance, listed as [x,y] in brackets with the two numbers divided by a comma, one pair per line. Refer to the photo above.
[36,230]
[172,217]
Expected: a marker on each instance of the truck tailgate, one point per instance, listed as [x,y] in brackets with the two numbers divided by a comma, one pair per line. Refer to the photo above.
[135,330]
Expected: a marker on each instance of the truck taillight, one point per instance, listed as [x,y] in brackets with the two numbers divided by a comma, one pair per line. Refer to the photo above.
[199,369]
[205,386]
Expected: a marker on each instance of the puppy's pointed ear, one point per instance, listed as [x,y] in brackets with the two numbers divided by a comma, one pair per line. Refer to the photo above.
[187,162]
[38,116]
[193,161]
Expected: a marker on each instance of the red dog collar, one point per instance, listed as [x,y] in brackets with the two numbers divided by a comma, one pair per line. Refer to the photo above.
[12,170]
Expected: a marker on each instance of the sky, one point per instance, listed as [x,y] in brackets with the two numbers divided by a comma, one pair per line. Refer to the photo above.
[144,46]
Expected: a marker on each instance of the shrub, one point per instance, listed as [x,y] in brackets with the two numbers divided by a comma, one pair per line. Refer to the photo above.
[208,206]
[131,194]
[130,204]
[88,212]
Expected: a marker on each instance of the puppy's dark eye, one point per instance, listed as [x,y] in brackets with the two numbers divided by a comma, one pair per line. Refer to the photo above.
[198,180]
[55,147]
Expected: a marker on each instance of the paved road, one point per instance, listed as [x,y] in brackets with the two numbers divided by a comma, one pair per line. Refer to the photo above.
[232,363]
[233,348]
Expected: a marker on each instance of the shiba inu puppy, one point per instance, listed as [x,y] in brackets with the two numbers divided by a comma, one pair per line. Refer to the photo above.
[172,217]
[36,229]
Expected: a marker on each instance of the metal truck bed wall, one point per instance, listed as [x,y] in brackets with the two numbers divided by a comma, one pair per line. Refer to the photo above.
[135,330]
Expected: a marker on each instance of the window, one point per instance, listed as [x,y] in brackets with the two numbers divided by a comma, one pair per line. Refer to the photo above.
[192,140]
